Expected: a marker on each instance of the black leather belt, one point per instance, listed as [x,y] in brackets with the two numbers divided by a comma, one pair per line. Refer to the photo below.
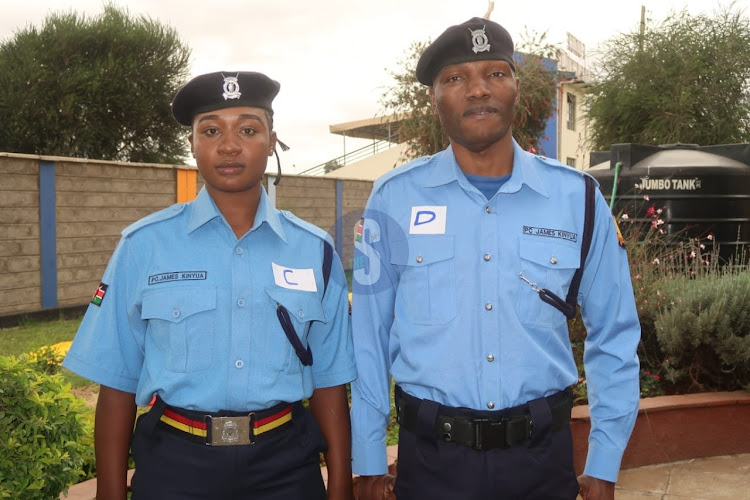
[485,433]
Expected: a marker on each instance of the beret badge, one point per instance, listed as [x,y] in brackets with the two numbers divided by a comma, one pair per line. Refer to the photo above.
[479,40]
[231,88]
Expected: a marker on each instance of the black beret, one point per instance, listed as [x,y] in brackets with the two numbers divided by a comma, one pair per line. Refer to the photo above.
[224,89]
[475,40]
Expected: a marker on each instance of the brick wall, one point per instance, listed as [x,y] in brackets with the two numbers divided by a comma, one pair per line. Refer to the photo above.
[94,200]
[19,235]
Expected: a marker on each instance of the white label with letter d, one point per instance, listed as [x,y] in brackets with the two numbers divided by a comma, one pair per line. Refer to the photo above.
[428,220]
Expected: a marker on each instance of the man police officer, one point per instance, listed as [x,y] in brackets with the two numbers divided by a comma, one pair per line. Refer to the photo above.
[450,259]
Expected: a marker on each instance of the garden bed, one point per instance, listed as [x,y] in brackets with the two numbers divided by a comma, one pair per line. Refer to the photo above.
[672,428]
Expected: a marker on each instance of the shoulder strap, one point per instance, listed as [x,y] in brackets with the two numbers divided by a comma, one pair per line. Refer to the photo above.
[569,306]
[588,230]
[304,354]
[327,260]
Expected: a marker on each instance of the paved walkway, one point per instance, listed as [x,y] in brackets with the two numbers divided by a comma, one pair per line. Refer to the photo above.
[714,478]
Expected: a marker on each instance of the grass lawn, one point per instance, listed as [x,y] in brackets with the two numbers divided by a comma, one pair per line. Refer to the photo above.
[32,334]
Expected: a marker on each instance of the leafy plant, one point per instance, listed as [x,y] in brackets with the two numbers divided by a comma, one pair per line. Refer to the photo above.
[683,292]
[46,360]
[704,331]
[96,87]
[683,80]
[41,429]
[650,384]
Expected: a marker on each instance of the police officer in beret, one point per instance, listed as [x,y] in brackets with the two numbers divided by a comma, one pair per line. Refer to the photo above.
[226,313]
[463,260]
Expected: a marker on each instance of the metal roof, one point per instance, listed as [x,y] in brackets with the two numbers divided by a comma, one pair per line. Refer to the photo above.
[380,128]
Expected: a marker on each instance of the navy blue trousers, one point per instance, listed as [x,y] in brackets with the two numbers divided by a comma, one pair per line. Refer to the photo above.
[282,466]
[539,468]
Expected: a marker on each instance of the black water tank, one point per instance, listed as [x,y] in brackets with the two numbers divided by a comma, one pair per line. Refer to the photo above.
[702,190]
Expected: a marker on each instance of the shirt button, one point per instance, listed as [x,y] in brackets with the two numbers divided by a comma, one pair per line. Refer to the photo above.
[238,250]
[239,363]
[487,257]
[553,260]
[488,209]
[419,259]
[301,313]
[490,358]
[488,306]
[241,303]
[176,313]
[491,405]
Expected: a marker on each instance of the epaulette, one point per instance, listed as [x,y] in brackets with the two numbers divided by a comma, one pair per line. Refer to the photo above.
[406,167]
[566,168]
[310,228]
[161,215]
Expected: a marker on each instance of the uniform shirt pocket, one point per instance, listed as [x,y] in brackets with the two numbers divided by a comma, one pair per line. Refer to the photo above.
[550,265]
[427,286]
[303,308]
[182,322]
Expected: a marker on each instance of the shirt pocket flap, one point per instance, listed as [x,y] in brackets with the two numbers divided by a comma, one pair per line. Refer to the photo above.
[304,306]
[174,305]
[423,250]
[550,255]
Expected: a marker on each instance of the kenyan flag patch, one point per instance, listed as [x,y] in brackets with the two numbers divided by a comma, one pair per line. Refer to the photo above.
[99,295]
[358,234]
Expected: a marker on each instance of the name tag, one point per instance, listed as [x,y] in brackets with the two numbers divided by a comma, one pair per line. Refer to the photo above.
[294,279]
[428,220]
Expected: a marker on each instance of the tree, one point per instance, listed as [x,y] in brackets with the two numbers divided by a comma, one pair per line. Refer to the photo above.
[409,101]
[96,87]
[686,80]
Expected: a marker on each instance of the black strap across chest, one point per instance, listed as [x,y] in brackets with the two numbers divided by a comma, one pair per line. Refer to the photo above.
[304,354]
[570,304]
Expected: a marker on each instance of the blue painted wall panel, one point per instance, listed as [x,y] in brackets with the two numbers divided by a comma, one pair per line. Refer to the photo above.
[48,233]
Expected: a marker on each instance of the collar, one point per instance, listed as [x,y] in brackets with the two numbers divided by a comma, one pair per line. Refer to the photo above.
[524,171]
[205,210]
[446,170]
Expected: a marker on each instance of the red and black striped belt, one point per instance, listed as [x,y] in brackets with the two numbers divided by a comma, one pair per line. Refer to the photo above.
[226,428]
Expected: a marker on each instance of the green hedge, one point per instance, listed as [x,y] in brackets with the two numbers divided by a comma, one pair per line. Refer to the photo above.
[41,430]
[704,331]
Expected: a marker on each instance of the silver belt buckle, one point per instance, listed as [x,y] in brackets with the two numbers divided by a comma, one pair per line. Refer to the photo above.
[231,431]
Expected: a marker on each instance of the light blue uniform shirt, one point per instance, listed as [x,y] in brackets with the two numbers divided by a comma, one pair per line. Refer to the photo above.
[438,303]
[190,312]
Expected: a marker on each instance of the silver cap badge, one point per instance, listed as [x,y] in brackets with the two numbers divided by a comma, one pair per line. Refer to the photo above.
[480,41]
[232,88]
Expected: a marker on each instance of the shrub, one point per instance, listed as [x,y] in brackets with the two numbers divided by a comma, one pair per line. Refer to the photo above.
[704,331]
[40,429]
[681,287]
[46,360]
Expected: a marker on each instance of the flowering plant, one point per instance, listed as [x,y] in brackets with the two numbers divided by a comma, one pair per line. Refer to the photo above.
[683,293]
[650,384]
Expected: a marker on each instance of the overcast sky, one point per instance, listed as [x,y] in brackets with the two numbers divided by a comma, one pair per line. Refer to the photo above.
[331,56]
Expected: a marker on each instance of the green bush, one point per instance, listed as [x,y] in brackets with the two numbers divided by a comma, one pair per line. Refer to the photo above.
[40,429]
[694,309]
[704,331]
[46,360]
